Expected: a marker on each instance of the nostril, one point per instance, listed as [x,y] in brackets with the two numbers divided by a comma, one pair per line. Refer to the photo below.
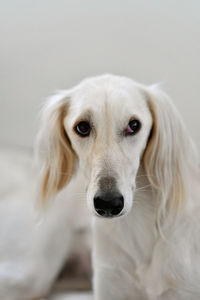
[101,212]
[115,211]
[117,205]
[99,203]
[108,204]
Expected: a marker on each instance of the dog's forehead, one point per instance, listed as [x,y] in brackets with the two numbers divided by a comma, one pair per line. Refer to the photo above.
[117,98]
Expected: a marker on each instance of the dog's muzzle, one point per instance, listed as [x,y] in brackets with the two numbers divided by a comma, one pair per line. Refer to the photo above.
[108,204]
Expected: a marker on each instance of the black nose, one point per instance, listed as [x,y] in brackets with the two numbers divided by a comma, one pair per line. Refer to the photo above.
[108,204]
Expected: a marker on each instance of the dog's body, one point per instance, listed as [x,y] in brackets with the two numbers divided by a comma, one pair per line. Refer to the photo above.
[35,244]
[139,166]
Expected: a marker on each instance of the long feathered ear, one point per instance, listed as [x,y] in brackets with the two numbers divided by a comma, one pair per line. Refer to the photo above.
[169,153]
[54,148]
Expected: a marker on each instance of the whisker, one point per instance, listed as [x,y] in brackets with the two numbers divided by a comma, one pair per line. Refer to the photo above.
[143,187]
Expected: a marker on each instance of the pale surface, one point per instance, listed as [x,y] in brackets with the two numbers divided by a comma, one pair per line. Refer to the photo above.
[48,45]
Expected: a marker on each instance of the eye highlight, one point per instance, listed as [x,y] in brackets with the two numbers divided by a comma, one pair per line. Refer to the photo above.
[83,128]
[133,127]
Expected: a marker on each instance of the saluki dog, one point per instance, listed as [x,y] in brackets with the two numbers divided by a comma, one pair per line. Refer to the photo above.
[140,177]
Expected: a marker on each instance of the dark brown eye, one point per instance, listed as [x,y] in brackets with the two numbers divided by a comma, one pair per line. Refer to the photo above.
[83,128]
[133,127]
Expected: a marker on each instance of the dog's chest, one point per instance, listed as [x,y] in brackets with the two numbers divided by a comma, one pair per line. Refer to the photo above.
[125,243]
[137,234]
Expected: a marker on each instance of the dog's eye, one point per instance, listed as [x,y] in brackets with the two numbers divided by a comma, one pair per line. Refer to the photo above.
[83,128]
[133,127]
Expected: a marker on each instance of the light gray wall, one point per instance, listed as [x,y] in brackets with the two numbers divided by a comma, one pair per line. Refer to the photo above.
[48,45]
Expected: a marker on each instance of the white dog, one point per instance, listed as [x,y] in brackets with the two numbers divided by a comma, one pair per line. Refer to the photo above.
[141,182]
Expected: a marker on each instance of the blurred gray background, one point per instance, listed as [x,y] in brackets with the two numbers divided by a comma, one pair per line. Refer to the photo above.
[48,45]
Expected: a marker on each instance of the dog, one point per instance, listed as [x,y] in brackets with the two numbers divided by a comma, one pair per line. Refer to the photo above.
[140,178]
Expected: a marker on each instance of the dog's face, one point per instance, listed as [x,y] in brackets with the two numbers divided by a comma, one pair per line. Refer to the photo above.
[108,124]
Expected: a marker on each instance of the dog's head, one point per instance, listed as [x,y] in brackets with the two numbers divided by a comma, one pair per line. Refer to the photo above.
[108,127]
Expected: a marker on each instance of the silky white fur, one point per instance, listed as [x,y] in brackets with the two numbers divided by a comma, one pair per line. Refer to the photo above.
[152,251]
